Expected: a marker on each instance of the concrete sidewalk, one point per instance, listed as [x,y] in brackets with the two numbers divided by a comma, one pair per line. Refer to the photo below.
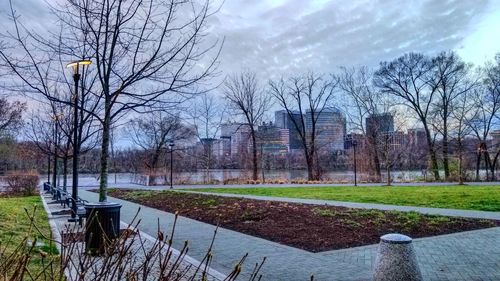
[473,255]
[202,186]
[59,223]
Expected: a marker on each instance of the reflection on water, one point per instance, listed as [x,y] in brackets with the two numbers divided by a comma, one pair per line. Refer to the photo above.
[220,175]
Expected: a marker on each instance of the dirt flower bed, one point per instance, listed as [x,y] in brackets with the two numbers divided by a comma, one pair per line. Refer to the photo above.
[313,228]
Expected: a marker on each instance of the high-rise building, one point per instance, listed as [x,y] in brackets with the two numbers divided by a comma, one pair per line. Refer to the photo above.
[270,139]
[330,128]
[377,124]
[238,135]
[283,120]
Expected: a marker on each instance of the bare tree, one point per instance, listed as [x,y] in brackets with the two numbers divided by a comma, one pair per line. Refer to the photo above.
[301,96]
[459,127]
[363,102]
[408,78]
[50,128]
[207,115]
[486,116]
[10,116]
[153,132]
[146,55]
[247,99]
[451,80]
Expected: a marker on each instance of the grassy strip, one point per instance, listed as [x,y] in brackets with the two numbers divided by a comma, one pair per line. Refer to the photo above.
[469,197]
[15,226]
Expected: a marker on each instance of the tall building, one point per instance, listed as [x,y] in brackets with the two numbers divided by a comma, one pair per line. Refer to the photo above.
[330,128]
[377,124]
[237,136]
[270,139]
[283,120]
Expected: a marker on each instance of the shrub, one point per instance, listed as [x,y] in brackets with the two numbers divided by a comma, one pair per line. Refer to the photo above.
[130,257]
[22,183]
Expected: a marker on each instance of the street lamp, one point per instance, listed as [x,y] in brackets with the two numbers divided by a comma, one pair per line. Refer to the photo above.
[354,144]
[76,77]
[171,145]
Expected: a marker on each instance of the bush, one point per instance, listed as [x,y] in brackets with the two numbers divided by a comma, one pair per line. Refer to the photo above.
[130,257]
[22,183]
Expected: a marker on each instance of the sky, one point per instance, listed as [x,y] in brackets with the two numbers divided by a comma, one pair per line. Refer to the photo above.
[290,37]
[284,37]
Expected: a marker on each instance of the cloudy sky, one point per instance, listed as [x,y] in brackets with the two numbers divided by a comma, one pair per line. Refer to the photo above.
[274,37]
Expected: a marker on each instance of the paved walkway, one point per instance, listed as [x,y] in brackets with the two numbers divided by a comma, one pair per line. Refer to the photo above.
[59,222]
[91,185]
[473,255]
[423,210]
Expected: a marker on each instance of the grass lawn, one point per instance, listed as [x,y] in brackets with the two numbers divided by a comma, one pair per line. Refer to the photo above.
[469,197]
[15,226]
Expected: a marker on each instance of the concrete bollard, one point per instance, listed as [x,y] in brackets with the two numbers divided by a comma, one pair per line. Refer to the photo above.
[396,259]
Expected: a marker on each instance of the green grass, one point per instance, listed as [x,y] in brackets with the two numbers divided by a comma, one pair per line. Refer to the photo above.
[468,197]
[15,226]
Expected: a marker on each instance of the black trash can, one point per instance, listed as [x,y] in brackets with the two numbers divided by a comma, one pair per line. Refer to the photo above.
[46,186]
[102,226]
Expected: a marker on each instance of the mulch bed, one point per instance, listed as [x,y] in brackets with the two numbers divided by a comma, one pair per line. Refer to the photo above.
[313,228]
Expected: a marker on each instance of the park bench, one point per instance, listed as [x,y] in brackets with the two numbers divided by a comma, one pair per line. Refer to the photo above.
[81,213]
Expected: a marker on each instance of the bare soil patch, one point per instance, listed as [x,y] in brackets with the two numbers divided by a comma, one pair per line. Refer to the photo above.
[314,228]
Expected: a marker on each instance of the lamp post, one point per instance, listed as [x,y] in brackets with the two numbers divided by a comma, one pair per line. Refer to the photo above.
[354,144]
[171,145]
[76,78]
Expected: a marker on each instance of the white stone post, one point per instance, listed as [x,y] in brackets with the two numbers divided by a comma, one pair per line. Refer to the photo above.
[396,259]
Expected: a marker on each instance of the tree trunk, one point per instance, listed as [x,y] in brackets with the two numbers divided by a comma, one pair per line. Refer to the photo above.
[460,159]
[154,165]
[48,168]
[432,152]
[478,165]
[446,165]
[262,162]
[489,165]
[106,126]
[255,169]
[388,174]
[493,166]
[375,159]
[54,175]
[310,169]
[65,172]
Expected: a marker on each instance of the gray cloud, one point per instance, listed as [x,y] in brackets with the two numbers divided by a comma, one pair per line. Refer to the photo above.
[301,35]
[276,37]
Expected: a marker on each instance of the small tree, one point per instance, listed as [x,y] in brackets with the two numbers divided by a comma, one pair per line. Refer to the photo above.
[207,115]
[153,132]
[363,101]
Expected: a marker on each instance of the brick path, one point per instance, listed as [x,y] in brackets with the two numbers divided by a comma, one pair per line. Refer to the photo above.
[473,255]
